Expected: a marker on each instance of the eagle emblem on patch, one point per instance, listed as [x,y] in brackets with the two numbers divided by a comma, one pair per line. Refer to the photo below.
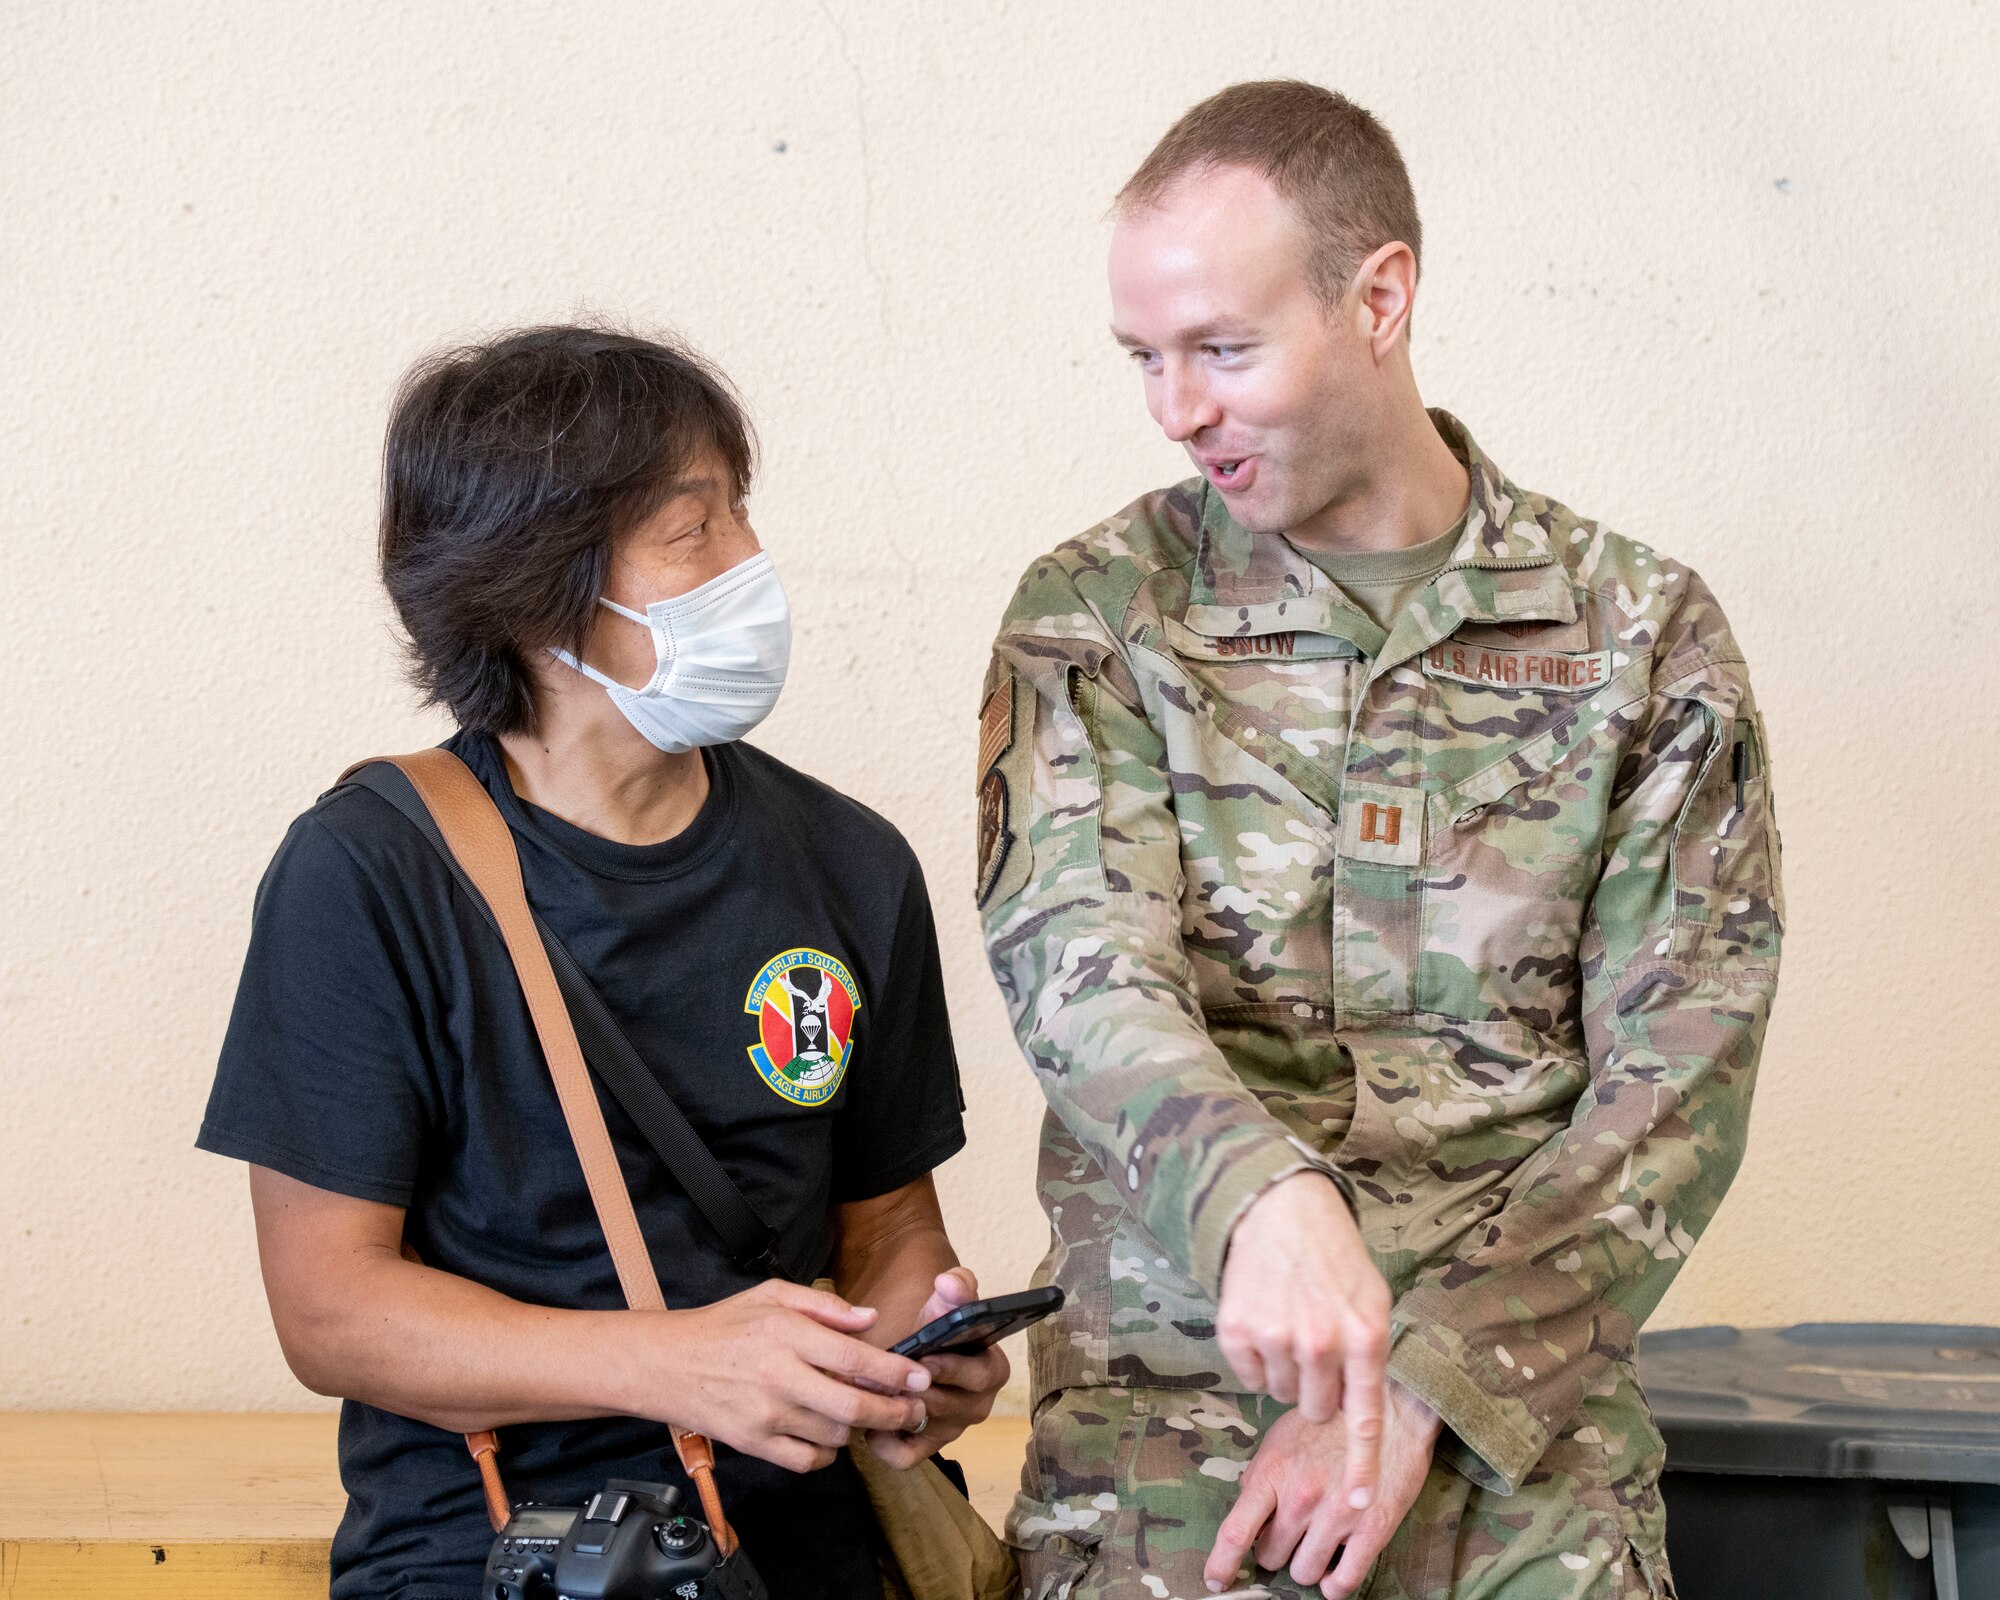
[996,738]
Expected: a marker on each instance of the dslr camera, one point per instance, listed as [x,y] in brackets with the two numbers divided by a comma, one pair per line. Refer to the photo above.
[632,1542]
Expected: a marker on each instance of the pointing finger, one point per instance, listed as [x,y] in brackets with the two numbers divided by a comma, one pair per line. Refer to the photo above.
[1363,1402]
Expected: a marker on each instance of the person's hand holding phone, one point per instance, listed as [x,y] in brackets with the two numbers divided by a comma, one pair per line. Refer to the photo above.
[963,1386]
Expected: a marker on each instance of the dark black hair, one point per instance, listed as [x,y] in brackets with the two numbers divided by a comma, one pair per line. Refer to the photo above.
[509,469]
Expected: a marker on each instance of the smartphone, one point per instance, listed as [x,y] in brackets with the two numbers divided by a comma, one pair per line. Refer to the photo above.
[971,1328]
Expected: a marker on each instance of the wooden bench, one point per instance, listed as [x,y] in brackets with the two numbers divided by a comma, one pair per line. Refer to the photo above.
[226,1506]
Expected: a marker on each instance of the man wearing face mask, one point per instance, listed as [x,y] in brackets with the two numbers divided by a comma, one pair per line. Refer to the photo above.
[565,542]
[1378,861]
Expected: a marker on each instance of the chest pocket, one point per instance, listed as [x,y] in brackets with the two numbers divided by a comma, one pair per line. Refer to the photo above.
[1283,695]
[1513,848]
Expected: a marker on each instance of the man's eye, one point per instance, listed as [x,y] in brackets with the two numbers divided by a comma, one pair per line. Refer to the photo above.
[1144,358]
[1222,352]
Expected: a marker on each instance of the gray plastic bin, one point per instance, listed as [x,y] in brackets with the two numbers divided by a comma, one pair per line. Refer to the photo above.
[1831,1461]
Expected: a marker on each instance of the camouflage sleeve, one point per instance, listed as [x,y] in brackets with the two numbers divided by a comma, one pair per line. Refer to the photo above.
[1680,959]
[1080,889]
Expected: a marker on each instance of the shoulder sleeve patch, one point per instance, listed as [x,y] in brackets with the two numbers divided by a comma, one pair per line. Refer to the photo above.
[999,737]
[996,724]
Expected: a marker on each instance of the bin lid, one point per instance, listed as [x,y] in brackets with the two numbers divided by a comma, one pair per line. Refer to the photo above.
[1902,1401]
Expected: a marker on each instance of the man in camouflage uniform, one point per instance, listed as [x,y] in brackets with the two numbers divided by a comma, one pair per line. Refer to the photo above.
[1471,908]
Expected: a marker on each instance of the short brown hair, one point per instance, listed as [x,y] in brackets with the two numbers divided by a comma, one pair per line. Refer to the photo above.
[509,470]
[1333,161]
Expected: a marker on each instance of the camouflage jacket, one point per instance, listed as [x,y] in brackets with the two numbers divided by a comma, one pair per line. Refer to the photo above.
[1482,916]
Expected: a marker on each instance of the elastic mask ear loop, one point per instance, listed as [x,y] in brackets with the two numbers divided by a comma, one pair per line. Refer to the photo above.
[664,649]
[592,673]
[588,671]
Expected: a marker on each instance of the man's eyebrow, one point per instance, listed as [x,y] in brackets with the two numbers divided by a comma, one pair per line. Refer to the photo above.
[1218,330]
[679,488]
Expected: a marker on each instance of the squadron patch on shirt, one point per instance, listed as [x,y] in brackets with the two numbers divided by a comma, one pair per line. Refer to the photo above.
[804,1002]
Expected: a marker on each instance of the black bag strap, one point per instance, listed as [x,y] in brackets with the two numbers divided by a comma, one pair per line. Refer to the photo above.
[751,1242]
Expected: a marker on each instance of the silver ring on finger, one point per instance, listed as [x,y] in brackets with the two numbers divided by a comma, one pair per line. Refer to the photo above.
[923,1422]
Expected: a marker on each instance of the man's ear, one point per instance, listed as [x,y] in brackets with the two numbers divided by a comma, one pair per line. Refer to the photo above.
[1381,294]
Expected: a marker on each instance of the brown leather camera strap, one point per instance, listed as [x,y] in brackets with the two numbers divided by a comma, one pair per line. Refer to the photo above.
[478,837]
[485,1448]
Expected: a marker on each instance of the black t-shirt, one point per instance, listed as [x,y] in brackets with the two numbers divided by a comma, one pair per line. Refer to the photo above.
[775,964]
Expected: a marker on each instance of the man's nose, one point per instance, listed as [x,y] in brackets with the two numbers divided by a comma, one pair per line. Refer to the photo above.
[1185,405]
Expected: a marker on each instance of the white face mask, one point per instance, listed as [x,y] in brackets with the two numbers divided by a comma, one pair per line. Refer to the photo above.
[722,651]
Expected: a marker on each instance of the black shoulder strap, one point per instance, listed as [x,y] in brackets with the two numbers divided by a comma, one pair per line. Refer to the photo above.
[750,1241]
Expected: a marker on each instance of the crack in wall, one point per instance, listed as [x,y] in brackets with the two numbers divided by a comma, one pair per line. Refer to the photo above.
[867,167]
[884,322]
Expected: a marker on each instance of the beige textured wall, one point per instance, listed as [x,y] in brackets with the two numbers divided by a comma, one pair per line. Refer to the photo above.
[1722,274]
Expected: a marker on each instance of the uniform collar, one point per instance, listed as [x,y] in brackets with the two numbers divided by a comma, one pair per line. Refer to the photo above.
[1503,569]
[1495,537]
